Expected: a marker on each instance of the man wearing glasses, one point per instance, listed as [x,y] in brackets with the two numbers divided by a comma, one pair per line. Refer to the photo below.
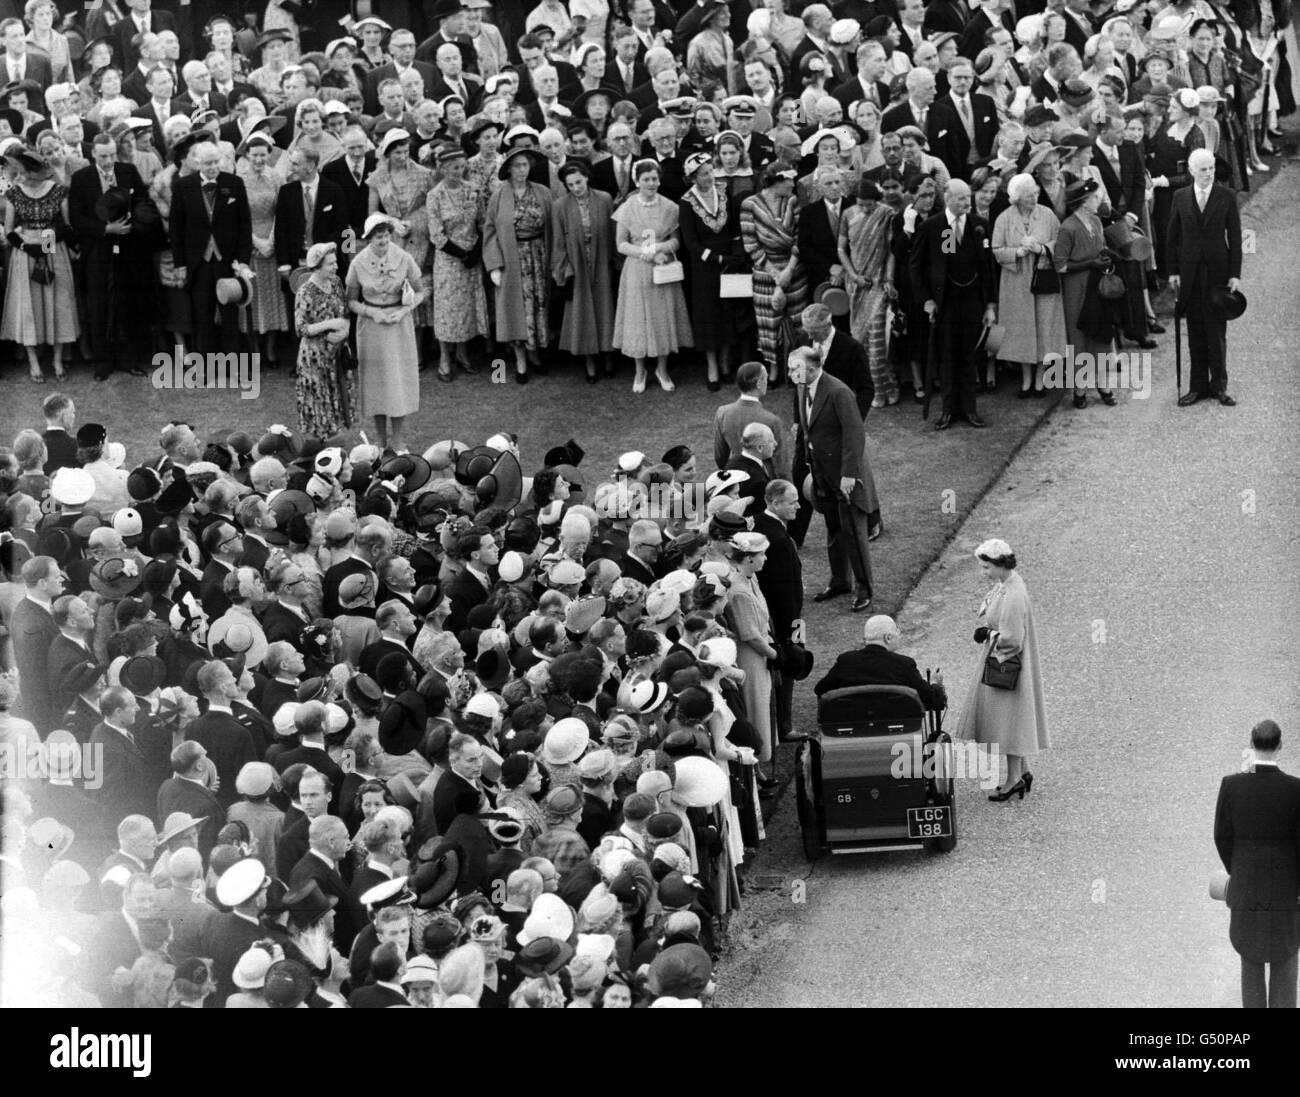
[224,544]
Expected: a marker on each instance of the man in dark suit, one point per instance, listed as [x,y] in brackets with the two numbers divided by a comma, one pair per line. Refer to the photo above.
[831,448]
[974,35]
[879,663]
[385,963]
[32,630]
[449,17]
[116,944]
[309,798]
[458,791]
[140,21]
[470,588]
[1079,26]
[624,72]
[116,259]
[350,172]
[60,445]
[226,937]
[843,357]
[20,64]
[819,227]
[198,93]
[1119,163]
[868,84]
[212,238]
[71,665]
[396,623]
[227,741]
[817,21]
[224,544]
[157,106]
[128,786]
[757,445]
[309,209]
[730,420]
[614,176]
[187,790]
[285,618]
[962,125]
[645,542]
[1257,834]
[401,47]
[781,582]
[309,721]
[914,109]
[452,79]
[383,845]
[329,844]
[952,273]
[1204,254]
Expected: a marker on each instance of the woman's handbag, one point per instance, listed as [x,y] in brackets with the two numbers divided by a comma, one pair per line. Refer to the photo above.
[1003,675]
[1045,281]
[42,271]
[736,286]
[667,273]
[345,360]
[1110,286]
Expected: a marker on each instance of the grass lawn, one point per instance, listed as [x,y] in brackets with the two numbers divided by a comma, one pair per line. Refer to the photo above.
[927,482]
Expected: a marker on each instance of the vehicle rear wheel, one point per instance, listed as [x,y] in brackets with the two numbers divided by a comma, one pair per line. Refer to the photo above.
[945,793]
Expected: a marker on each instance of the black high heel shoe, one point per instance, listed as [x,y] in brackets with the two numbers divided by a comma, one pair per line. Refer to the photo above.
[1017,789]
[1028,779]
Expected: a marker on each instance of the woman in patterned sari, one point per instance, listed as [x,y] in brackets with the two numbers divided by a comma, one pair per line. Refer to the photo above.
[767,228]
[399,189]
[866,235]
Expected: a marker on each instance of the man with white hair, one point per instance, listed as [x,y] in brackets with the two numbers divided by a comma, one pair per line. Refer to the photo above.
[757,446]
[915,108]
[329,844]
[817,23]
[198,94]
[819,229]
[644,544]
[879,663]
[1204,255]
[952,273]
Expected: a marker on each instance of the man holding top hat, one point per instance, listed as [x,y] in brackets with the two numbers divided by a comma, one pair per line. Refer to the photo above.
[1204,256]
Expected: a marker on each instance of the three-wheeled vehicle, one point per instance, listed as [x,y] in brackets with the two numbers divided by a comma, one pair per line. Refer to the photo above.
[876,775]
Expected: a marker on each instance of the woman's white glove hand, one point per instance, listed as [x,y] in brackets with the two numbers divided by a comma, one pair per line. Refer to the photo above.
[496,278]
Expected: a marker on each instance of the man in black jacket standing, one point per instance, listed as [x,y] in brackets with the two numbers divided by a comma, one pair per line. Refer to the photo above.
[781,582]
[1257,833]
[952,273]
[212,238]
[309,209]
[1204,255]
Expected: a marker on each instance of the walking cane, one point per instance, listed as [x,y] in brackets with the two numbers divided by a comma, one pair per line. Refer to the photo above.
[1178,353]
[930,355]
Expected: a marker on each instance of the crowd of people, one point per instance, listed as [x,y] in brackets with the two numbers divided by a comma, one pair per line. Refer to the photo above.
[589,182]
[291,720]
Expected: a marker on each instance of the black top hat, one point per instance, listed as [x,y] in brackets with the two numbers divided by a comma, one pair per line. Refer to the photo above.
[568,454]
[113,205]
[492,668]
[307,904]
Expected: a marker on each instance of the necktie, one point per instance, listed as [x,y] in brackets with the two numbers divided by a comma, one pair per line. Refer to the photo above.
[209,195]
[833,213]
[309,209]
[958,229]
[920,117]
[620,171]
[808,403]
[106,180]
[1201,196]
[356,173]
[963,108]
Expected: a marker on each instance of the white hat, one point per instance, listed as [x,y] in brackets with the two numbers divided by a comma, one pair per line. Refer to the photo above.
[679,582]
[241,881]
[597,946]
[250,971]
[283,719]
[72,487]
[483,704]
[255,778]
[114,454]
[127,522]
[329,461]
[520,130]
[566,573]
[420,969]
[549,917]
[724,480]
[661,604]
[510,568]
[631,461]
[699,783]
[843,30]
[994,548]
[565,742]
[720,651]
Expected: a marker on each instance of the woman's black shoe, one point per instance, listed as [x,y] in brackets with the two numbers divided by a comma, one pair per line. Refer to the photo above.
[1018,789]
[1080,400]
[1028,779]
[1107,398]
[1026,394]
[521,378]
[592,379]
[1154,326]
[714,386]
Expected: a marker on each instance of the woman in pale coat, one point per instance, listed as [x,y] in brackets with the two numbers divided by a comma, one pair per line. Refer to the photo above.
[1014,720]
[751,623]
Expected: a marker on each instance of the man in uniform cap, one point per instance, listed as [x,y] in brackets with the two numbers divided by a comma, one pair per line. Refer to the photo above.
[242,888]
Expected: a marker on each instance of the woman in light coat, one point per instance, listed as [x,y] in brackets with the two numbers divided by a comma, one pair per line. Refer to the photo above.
[582,229]
[1014,720]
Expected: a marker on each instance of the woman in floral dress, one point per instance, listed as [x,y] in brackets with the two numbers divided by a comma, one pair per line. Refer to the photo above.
[326,395]
[268,315]
[399,188]
[481,171]
[452,211]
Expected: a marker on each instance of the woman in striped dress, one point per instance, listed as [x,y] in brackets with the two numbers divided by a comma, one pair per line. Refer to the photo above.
[767,228]
[866,234]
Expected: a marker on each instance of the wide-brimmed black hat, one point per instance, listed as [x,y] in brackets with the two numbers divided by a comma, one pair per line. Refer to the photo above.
[580,104]
[413,470]
[543,956]
[142,674]
[435,880]
[1226,304]
[503,486]
[474,464]
[536,160]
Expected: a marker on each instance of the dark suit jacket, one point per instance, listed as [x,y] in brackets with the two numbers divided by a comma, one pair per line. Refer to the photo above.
[375,997]
[948,138]
[96,245]
[806,46]
[65,657]
[427,50]
[929,262]
[818,241]
[972,36]
[229,745]
[876,665]
[128,785]
[754,487]
[328,224]
[1257,834]
[614,78]
[114,946]
[292,845]
[440,89]
[1127,190]
[211,592]
[31,632]
[38,71]
[177,794]
[635,568]
[464,592]
[283,624]
[1204,248]
[375,77]
[847,362]
[604,178]
[226,938]
[832,441]
[851,91]
[1077,35]
[122,34]
[231,224]
[900,115]
[370,655]
[184,103]
[62,449]
[356,196]
[945,15]
[348,915]
[452,796]
[729,423]
[320,761]
[781,579]
[146,110]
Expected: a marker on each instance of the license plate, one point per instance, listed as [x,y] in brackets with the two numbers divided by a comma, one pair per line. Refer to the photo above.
[929,822]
